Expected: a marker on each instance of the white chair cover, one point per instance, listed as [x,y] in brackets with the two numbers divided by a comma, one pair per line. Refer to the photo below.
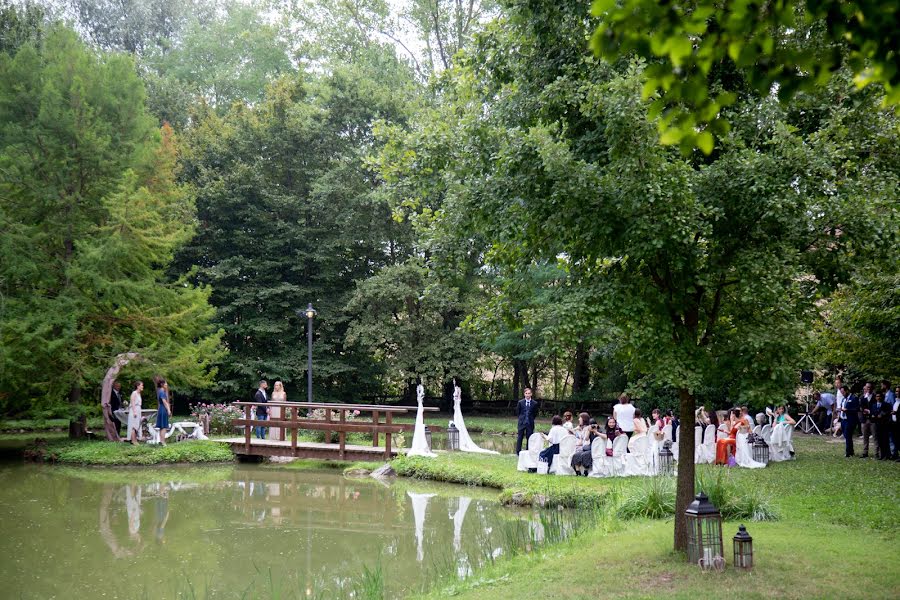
[766,433]
[636,461]
[757,429]
[780,445]
[528,459]
[667,432]
[743,455]
[698,445]
[562,462]
[709,445]
[617,460]
[600,466]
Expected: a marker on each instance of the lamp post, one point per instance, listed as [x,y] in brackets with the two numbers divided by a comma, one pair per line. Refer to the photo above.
[310,312]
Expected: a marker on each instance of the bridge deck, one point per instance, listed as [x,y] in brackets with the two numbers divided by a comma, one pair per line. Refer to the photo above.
[320,450]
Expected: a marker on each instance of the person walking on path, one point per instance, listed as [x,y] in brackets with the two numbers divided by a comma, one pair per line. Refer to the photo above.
[526,411]
[134,413]
[164,408]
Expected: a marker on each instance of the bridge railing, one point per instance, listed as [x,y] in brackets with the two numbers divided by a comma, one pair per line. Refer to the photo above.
[291,420]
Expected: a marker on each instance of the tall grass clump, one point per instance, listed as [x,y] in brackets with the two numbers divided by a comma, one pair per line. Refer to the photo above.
[653,498]
[733,501]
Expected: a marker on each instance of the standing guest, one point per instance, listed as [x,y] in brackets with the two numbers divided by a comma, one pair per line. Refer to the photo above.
[822,412]
[555,436]
[567,421]
[848,411]
[261,410]
[526,411]
[867,418]
[624,415]
[278,395]
[582,461]
[640,422]
[134,414]
[655,419]
[895,422]
[164,409]
[115,403]
[838,399]
[881,411]
[672,418]
[889,399]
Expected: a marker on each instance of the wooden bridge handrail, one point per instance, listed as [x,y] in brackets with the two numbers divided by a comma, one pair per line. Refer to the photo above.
[315,405]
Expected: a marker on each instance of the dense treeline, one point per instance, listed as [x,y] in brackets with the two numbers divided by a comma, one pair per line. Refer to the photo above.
[460,192]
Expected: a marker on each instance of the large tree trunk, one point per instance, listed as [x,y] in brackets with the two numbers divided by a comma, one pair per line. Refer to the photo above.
[520,378]
[78,424]
[581,378]
[106,391]
[684,493]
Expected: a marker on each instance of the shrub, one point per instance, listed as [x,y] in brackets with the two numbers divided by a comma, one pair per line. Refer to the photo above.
[653,498]
[734,502]
[220,416]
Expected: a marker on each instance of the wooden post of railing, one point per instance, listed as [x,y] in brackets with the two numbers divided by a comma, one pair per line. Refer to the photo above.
[294,411]
[247,429]
[281,431]
[375,428]
[387,437]
[328,420]
[342,436]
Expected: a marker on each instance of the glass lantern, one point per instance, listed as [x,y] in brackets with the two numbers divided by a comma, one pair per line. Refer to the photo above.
[453,436]
[666,459]
[743,549]
[761,451]
[428,437]
[704,525]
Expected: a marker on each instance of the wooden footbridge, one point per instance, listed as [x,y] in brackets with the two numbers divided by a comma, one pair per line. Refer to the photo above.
[336,419]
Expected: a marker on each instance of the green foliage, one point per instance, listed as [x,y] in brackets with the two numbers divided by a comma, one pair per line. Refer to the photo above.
[91,215]
[654,498]
[696,51]
[117,453]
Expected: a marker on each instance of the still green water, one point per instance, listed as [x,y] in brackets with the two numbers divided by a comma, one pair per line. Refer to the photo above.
[240,531]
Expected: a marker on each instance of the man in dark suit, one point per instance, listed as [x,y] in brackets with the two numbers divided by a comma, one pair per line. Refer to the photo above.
[526,410]
[849,414]
[115,403]
[262,412]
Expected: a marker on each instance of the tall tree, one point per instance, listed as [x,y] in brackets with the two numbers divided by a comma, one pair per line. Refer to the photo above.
[91,215]
[701,271]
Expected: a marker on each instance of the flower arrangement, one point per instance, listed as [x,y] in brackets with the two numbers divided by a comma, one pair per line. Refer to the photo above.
[220,416]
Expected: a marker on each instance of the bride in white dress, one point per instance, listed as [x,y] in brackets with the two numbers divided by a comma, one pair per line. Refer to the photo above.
[465,440]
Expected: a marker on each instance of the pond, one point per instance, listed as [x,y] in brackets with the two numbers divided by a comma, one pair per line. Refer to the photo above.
[223,531]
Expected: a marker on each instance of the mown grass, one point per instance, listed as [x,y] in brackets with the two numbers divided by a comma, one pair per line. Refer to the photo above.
[832,511]
[117,453]
[487,425]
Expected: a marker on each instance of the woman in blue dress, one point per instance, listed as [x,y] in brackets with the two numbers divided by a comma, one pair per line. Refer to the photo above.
[164,410]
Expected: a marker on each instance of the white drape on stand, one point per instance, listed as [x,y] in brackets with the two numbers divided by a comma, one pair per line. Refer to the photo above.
[419,443]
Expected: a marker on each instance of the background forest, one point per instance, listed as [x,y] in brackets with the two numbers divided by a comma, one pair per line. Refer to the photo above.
[461,189]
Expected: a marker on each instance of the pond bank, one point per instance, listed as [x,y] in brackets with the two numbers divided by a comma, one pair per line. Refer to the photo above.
[103,453]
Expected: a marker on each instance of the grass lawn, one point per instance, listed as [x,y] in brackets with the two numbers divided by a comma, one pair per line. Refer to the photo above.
[837,515]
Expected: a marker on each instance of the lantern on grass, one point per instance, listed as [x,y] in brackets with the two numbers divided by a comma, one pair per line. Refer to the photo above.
[761,451]
[453,436]
[428,437]
[743,549]
[704,528]
[666,459]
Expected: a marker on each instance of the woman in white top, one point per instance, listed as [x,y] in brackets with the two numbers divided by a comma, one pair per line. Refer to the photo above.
[557,433]
[624,414]
[134,413]
[276,412]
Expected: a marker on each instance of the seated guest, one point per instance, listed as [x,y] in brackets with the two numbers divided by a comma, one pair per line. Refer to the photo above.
[640,423]
[746,420]
[701,419]
[567,421]
[714,421]
[726,447]
[612,429]
[782,416]
[655,419]
[555,436]
[582,461]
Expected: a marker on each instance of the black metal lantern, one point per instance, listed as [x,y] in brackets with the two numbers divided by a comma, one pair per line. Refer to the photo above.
[704,526]
[666,459]
[743,549]
[428,437]
[761,451]
[453,436]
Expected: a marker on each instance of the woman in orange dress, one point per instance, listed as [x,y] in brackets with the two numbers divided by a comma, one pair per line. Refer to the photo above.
[727,446]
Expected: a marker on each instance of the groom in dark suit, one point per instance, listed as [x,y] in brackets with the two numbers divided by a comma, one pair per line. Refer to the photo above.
[526,410]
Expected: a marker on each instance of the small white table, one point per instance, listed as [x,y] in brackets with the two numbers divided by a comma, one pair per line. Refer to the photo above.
[147,415]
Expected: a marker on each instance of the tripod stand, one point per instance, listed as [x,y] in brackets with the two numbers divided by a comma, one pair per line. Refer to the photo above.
[806,423]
